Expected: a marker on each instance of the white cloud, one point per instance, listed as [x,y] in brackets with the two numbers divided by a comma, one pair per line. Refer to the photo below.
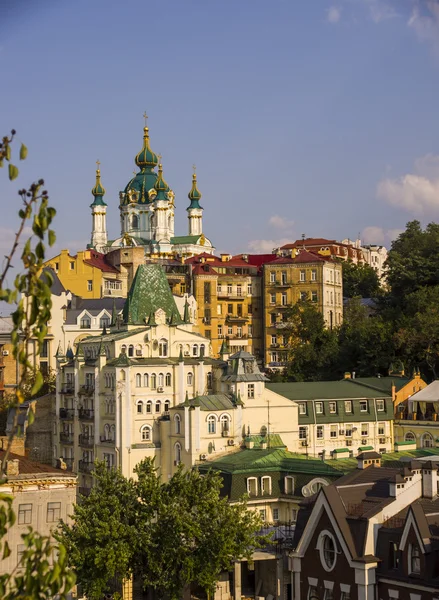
[280,222]
[379,235]
[418,192]
[333,14]
[380,11]
[266,246]
[424,21]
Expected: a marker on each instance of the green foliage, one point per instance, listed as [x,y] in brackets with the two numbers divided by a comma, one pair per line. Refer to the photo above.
[168,534]
[359,280]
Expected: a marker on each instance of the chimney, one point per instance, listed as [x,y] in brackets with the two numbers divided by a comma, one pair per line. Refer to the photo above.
[429,480]
[13,467]
[368,459]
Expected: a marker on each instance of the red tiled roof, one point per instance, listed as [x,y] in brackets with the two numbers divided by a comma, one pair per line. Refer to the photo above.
[309,242]
[197,258]
[30,467]
[304,256]
[203,269]
[257,260]
[98,260]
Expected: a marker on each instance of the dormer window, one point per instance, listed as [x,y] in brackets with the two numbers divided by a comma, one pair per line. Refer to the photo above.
[85,323]
[414,558]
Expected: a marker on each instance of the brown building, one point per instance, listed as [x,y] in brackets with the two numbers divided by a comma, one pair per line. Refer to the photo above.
[324,247]
[371,534]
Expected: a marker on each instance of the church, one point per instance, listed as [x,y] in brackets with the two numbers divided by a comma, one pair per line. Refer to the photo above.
[147,209]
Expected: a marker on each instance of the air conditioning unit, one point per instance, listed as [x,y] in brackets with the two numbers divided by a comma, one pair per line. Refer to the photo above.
[225,433]
[5,352]
[231,442]
[341,432]
[364,441]
[382,440]
[348,442]
[203,456]
[187,353]
[305,443]
[160,389]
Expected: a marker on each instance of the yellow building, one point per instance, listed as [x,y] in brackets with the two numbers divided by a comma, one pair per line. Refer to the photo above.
[417,421]
[228,295]
[89,274]
[287,280]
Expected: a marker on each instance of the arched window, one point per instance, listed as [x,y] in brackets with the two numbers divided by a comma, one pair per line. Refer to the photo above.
[190,378]
[139,350]
[146,433]
[112,433]
[134,222]
[130,350]
[195,350]
[163,348]
[104,322]
[427,440]
[177,424]
[211,424]
[158,406]
[123,349]
[177,454]
[161,380]
[410,437]
[202,350]
[106,432]
[138,380]
[145,380]
[225,423]
[153,381]
[139,407]
[167,405]
[168,379]
[149,406]
[414,557]
[85,323]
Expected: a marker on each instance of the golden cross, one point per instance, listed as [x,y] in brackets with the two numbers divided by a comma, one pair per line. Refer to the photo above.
[159,156]
[145,116]
[98,162]
[194,167]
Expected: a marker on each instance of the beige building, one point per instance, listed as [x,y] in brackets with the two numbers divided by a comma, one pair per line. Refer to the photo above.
[42,495]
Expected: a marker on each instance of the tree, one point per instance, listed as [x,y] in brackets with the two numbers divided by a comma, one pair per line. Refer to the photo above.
[42,571]
[360,280]
[169,535]
[313,348]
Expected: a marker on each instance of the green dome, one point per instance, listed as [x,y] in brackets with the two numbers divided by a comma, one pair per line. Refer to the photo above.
[138,187]
[146,157]
[98,190]
[161,187]
[195,194]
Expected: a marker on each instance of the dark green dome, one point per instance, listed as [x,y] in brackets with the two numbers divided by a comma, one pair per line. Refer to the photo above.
[98,190]
[195,194]
[138,187]
[161,187]
[146,157]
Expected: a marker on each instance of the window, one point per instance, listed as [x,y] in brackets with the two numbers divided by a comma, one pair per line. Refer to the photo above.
[153,381]
[380,405]
[249,289]
[230,330]
[160,380]
[319,408]
[219,309]
[177,454]
[209,380]
[393,555]
[72,265]
[364,429]
[252,486]
[211,424]
[314,296]
[104,322]
[53,512]
[134,222]
[284,299]
[167,405]
[302,275]
[177,424]
[225,423]
[220,331]
[158,406]
[265,485]
[363,406]
[348,430]
[139,407]
[334,431]
[414,556]
[312,593]
[20,552]
[294,515]
[348,406]
[329,594]
[345,596]
[313,275]
[195,350]
[332,407]
[274,340]
[275,513]
[284,277]
[302,408]
[145,380]
[56,266]
[131,350]
[168,379]
[272,298]
[85,323]
[319,432]
[272,319]
[90,285]
[263,514]
[381,428]
[146,433]
[427,441]
[138,380]
[24,514]
[303,433]
[239,331]
[190,378]
[328,554]
[272,277]
[251,390]
[149,406]
[163,348]
[410,437]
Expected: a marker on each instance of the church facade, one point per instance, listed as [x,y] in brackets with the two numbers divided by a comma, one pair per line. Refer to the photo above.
[147,210]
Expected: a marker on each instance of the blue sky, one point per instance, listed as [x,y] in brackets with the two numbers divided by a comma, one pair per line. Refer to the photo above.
[302,116]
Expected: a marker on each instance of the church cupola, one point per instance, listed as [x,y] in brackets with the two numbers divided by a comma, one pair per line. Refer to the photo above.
[195,211]
[99,214]
[161,187]
[146,158]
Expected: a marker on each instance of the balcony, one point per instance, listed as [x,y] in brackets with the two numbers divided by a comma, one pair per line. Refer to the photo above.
[67,414]
[86,414]
[86,466]
[231,295]
[67,388]
[87,389]
[86,441]
[105,440]
[66,437]
[236,318]
[112,288]
[279,284]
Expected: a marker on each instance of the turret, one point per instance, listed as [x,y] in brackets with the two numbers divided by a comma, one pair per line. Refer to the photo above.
[99,214]
[194,210]
[163,201]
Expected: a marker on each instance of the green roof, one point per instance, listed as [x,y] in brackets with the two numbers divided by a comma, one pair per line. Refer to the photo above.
[383,384]
[149,292]
[364,448]
[211,402]
[273,440]
[340,450]
[407,443]
[324,390]
[185,239]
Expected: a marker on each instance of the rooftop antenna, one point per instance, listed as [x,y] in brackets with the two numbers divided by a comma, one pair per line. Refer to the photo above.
[303,240]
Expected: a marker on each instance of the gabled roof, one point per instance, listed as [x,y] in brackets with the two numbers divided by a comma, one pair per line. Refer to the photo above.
[149,292]
[211,402]
[29,469]
[324,390]
[310,242]
[99,261]
[428,394]
[57,287]
[383,384]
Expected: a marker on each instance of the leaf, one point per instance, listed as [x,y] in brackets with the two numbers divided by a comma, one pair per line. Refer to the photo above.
[31,416]
[6,550]
[8,152]
[13,172]
[23,152]
[38,382]
[52,237]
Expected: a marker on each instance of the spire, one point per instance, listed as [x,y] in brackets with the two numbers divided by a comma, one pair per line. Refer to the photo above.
[151,320]
[195,194]
[69,353]
[186,318]
[98,190]
[59,353]
[113,314]
[102,350]
[224,348]
[146,158]
[160,186]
